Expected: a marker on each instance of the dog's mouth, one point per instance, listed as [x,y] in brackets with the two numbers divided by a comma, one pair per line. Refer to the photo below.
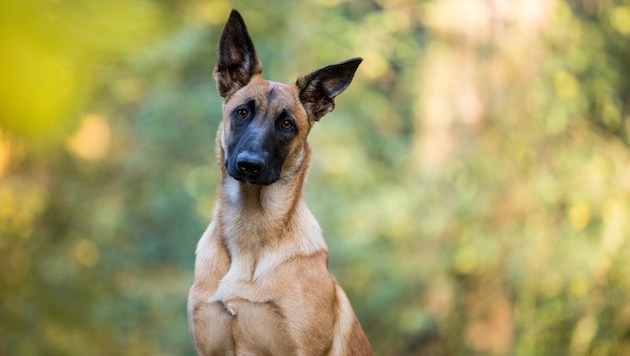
[250,180]
[254,178]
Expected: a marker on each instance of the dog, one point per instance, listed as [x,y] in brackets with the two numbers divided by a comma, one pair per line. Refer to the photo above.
[261,281]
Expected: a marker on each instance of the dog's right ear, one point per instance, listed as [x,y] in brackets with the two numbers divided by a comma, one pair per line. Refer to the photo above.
[237,61]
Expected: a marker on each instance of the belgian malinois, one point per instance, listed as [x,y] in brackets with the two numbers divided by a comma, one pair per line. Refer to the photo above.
[261,284]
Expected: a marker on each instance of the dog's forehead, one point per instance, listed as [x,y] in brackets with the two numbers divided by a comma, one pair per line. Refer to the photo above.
[271,95]
[276,94]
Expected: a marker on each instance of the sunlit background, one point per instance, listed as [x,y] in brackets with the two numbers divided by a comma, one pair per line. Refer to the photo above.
[473,183]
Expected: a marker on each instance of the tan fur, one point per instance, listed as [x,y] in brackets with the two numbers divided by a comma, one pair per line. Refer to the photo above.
[261,284]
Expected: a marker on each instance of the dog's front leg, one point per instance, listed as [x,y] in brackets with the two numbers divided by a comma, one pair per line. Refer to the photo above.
[209,322]
[210,328]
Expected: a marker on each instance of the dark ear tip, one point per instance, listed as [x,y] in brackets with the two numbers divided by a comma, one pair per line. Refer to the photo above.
[353,63]
[235,13]
[235,16]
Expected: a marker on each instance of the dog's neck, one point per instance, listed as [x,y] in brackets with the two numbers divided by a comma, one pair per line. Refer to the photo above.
[272,203]
[252,218]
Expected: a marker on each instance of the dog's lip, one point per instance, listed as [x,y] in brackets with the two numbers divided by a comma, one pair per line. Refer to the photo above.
[249,180]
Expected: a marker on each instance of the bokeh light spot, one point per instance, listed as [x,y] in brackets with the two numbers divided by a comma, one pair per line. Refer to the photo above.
[579,216]
[620,19]
[91,140]
[86,253]
[566,85]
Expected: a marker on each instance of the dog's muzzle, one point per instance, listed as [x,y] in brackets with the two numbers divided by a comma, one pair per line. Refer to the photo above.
[250,164]
[251,167]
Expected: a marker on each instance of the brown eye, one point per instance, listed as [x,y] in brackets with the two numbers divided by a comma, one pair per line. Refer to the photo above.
[242,113]
[287,124]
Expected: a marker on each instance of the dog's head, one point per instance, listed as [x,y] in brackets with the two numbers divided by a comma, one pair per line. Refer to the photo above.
[265,124]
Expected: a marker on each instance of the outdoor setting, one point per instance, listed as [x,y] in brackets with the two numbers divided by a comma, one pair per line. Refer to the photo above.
[472,184]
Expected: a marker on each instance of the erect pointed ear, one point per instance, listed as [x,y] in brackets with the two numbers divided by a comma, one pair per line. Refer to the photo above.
[318,89]
[237,61]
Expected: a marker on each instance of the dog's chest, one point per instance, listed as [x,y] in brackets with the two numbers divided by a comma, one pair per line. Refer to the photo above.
[241,285]
[250,311]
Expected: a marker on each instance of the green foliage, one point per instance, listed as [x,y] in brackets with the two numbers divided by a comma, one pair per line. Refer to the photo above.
[472,182]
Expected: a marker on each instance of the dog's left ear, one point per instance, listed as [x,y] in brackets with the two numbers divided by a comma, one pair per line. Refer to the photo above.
[237,61]
[318,89]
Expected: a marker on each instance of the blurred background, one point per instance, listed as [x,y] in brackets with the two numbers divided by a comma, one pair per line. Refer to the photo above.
[473,183]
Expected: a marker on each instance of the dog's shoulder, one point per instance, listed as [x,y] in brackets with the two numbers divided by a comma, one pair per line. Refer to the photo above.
[212,258]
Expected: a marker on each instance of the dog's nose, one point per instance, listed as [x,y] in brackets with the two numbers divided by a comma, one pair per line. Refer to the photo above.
[250,163]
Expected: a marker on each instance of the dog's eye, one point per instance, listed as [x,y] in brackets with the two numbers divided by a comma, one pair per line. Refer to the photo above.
[286,124]
[242,113]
